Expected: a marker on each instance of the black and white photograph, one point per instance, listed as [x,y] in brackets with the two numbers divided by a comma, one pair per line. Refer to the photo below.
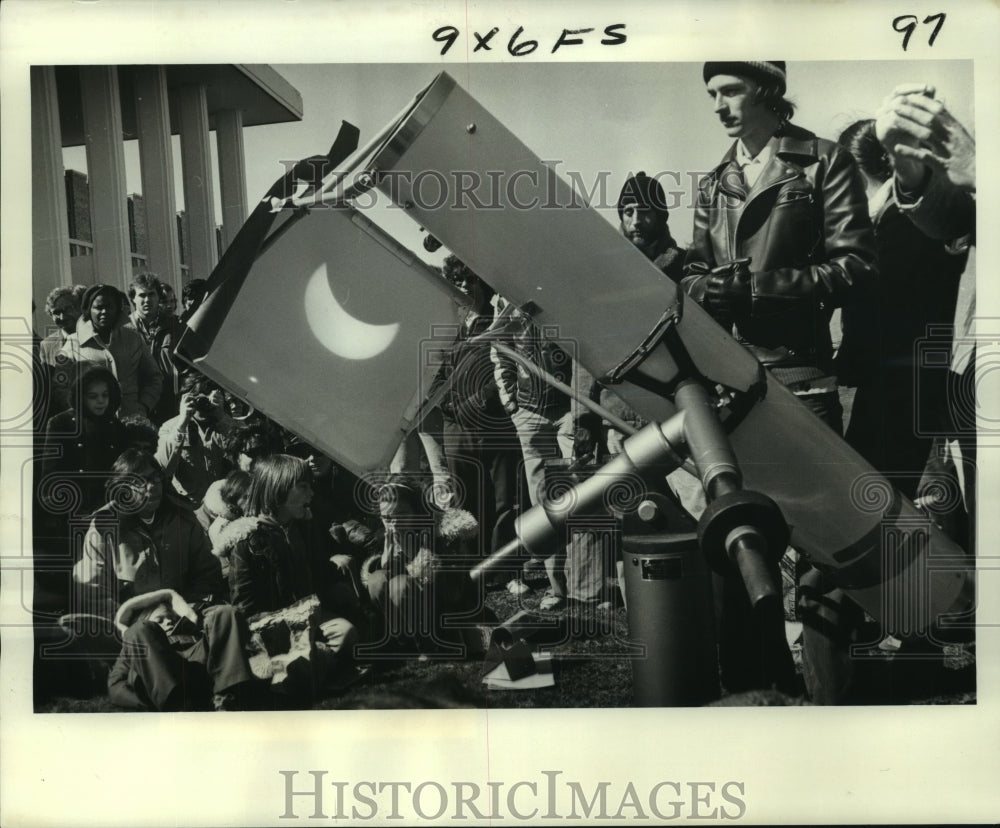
[485,412]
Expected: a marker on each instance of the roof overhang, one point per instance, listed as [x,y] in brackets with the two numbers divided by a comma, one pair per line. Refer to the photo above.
[257,90]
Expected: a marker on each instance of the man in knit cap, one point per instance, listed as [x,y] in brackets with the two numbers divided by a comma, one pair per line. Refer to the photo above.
[642,210]
[781,238]
[643,213]
[794,205]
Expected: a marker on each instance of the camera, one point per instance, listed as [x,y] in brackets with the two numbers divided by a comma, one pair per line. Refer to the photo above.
[202,405]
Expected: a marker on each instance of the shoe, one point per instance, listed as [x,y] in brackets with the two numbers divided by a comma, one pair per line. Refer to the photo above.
[224,702]
[250,695]
[518,587]
[552,602]
[890,644]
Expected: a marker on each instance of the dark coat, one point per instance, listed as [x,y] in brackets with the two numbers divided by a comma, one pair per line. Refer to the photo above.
[890,342]
[669,258]
[805,226]
[123,557]
[161,337]
[944,211]
[84,450]
[473,397]
[267,571]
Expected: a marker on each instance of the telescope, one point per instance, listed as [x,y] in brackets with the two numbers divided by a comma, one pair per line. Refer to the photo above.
[773,473]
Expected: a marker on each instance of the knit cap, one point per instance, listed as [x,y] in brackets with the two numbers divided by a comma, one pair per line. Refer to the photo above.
[758,70]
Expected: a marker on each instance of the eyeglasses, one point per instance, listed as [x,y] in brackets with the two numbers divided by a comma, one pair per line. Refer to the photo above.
[150,481]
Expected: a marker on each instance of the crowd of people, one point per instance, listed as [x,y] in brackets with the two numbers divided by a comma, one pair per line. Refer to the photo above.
[175,516]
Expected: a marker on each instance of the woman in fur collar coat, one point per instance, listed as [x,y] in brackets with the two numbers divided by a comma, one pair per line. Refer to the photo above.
[268,564]
[223,503]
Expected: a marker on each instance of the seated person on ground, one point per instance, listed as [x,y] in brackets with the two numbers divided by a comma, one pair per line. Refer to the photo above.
[144,539]
[412,582]
[174,658]
[269,565]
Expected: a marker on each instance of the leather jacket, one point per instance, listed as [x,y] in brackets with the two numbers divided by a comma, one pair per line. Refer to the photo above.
[805,226]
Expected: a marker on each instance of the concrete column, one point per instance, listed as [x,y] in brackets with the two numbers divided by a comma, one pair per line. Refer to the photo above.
[50,265]
[196,164]
[232,171]
[156,161]
[102,124]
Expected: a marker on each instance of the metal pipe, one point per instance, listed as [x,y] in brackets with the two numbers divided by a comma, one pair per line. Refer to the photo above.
[746,549]
[679,461]
[511,549]
[720,474]
[546,377]
[707,442]
[645,457]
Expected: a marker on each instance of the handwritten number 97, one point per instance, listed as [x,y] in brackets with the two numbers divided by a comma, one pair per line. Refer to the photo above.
[908,23]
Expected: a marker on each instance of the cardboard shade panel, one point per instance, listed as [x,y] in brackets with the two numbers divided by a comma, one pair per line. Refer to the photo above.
[334,333]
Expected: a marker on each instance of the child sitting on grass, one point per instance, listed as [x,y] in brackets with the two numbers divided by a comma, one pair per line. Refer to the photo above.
[173,659]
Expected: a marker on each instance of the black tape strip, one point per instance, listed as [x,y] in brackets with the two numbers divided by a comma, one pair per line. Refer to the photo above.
[867,565]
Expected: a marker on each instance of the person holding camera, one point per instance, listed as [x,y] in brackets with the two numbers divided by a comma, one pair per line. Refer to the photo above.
[193,446]
[934,183]
[899,405]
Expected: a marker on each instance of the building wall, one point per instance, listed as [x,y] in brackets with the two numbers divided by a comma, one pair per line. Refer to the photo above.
[78,206]
[81,244]
[137,228]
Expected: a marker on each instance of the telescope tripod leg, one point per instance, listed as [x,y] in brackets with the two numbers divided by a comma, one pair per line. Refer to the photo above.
[753,650]
[744,535]
[829,619]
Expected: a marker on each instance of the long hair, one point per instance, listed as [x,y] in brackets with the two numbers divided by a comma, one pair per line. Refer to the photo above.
[272,480]
[859,140]
[255,440]
[235,486]
[771,95]
[91,377]
[195,291]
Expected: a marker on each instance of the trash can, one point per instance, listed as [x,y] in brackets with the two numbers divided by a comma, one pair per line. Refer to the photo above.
[668,592]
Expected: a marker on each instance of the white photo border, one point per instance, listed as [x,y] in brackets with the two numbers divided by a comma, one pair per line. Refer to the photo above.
[794,765]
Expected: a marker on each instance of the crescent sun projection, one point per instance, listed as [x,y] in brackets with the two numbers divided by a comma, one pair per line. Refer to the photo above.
[338,331]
